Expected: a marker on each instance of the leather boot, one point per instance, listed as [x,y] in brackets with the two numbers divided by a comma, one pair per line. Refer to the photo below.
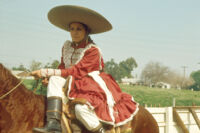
[53,114]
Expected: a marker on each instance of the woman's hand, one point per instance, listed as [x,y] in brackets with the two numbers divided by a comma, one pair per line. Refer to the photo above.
[45,81]
[36,74]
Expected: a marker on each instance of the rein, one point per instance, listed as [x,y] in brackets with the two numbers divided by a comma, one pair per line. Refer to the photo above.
[1,97]
[10,91]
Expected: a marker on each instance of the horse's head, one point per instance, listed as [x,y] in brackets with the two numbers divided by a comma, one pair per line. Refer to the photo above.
[3,74]
[7,80]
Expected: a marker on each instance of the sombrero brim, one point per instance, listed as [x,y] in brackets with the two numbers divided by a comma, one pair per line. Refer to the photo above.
[62,16]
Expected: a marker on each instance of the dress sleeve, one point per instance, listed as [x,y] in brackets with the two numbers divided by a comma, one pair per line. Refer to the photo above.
[91,61]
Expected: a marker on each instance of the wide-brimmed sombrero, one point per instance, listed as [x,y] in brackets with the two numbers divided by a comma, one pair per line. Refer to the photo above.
[62,16]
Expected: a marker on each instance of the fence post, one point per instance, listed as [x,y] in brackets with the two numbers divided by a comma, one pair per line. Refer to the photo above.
[174,102]
[167,117]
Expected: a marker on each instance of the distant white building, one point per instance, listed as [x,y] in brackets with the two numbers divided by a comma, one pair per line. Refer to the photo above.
[129,81]
[163,85]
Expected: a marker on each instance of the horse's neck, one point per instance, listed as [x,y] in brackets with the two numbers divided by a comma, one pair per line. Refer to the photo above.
[20,95]
[20,104]
[24,106]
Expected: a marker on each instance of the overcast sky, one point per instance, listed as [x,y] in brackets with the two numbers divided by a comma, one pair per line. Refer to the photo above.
[166,31]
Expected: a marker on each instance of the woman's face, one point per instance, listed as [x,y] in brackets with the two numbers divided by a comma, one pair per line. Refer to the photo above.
[77,31]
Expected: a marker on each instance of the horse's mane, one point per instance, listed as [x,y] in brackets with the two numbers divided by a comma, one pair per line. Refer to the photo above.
[20,105]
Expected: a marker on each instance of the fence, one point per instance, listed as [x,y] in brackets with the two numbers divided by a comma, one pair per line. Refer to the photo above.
[177,119]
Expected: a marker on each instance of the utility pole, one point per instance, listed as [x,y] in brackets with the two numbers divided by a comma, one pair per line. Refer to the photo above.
[184,71]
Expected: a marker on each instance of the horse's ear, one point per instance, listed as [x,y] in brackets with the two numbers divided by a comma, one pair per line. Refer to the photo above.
[3,69]
[4,72]
[1,66]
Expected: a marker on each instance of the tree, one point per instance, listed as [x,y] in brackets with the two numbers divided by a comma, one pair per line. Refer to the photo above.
[177,80]
[20,68]
[196,77]
[35,65]
[121,70]
[112,68]
[53,65]
[126,67]
[154,72]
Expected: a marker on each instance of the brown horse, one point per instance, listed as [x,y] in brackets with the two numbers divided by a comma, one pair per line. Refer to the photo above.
[21,110]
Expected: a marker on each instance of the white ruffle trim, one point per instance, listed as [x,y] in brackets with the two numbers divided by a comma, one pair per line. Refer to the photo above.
[78,54]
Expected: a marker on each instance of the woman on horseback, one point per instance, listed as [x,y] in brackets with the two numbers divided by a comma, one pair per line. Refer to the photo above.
[82,64]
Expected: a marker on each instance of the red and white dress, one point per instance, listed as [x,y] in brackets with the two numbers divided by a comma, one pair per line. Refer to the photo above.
[84,65]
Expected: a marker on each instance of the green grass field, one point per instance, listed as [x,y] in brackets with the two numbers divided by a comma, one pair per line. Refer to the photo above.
[151,96]
[156,96]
